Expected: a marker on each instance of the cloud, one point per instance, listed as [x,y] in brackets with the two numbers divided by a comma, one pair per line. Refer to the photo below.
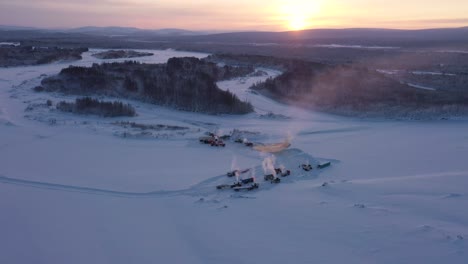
[438,21]
[424,23]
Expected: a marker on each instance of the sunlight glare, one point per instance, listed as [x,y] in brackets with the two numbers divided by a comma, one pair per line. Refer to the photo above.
[297,15]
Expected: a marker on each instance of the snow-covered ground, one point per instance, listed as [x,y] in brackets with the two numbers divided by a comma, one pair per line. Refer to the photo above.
[337,46]
[432,73]
[421,87]
[74,190]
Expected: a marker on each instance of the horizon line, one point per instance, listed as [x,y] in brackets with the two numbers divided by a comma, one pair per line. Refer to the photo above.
[228,30]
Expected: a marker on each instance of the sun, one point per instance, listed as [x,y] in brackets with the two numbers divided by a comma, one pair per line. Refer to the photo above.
[297,15]
[297,23]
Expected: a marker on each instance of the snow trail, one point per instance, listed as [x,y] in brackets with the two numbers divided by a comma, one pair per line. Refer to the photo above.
[413,177]
[287,159]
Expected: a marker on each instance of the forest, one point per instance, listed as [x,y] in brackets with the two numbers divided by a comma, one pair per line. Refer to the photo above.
[182,83]
[359,91]
[13,56]
[90,106]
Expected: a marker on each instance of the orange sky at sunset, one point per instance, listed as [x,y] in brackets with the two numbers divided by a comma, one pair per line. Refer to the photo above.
[274,15]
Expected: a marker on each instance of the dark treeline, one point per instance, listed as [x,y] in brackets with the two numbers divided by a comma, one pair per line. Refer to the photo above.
[28,55]
[119,54]
[90,106]
[183,83]
[283,64]
[127,124]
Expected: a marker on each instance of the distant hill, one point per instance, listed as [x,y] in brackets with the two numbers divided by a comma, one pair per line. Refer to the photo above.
[7,27]
[130,37]
[130,31]
[357,34]
[348,35]
[108,31]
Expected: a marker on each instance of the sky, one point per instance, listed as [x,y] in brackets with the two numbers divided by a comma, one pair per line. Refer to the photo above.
[235,15]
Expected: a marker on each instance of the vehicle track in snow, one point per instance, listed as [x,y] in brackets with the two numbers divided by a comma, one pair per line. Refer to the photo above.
[207,187]
[413,177]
